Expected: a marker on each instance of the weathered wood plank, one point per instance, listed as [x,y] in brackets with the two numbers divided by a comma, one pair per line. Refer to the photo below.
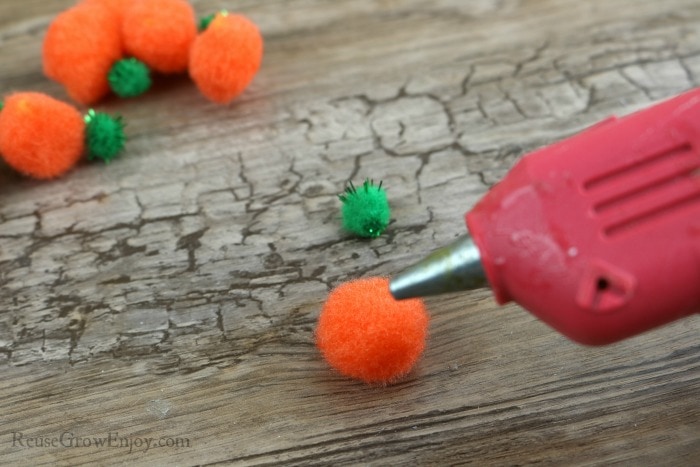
[174,292]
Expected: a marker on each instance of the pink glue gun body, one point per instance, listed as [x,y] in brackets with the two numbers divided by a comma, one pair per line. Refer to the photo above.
[599,235]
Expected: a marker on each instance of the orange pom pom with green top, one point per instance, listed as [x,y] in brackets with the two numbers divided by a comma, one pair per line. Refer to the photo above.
[226,56]
[364,333]
[80,47]
[160,33]
[40,136]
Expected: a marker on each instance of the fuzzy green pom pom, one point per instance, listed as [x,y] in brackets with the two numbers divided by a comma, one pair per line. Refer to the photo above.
[129,77]
[205,21]
[366,210]
[104,135]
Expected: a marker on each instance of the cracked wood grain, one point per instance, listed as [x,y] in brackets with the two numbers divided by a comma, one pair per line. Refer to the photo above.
[189,273]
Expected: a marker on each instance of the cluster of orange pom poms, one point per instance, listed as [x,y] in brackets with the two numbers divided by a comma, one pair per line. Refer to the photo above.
[364,333]
[102,45]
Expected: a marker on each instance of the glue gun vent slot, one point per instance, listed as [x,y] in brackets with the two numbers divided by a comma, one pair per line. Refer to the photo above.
[641,165]
[652,187]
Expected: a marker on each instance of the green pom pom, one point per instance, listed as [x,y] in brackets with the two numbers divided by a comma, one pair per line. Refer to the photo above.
[129,78]
[366,210]
[104,135]
[205,21]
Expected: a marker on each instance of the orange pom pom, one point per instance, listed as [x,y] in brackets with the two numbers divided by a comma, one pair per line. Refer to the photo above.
[80,46]
[365,333]
[160,33]
[225,57]
[40,136]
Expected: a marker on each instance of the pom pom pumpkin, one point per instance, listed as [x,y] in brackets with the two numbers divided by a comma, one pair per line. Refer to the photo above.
[364,333]
[225,57]
[40,136]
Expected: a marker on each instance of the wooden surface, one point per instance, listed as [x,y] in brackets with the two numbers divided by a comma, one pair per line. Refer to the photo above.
[173,294]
